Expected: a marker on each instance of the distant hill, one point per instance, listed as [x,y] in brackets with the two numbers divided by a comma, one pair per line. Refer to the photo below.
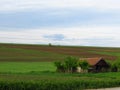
[24,52]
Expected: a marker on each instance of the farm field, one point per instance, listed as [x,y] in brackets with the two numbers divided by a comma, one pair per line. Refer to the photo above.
[26,67]
[57,81]
[31,67]
[17,52]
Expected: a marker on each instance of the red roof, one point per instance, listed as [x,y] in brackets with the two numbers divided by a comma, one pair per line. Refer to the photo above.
[92,61]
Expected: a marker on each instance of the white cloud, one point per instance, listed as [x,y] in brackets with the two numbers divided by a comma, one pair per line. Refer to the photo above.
[8,5]
[95,36]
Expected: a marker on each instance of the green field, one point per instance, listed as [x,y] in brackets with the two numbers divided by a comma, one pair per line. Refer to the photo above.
[57,81]
[26,67]
[31,67]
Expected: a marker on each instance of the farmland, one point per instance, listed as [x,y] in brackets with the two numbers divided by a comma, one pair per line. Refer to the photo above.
[17,52]
[57,81]
[28,67]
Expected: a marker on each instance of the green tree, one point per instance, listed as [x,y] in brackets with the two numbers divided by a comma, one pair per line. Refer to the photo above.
[118,65]
[114,66]
[71,64]
[84,65]
[50,44]
[110,65]
[60,66]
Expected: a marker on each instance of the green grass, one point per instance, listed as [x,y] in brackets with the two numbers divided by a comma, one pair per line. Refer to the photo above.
[26,67]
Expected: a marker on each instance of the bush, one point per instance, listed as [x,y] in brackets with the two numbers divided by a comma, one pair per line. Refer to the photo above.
[84,65]
[60,66]
[69,65]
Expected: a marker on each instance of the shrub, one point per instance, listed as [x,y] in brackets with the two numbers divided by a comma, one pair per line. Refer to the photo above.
[69,65]
[60,66]
[84,65]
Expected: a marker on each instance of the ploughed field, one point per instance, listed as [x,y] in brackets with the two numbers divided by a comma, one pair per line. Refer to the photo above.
[31,67]
[16,52]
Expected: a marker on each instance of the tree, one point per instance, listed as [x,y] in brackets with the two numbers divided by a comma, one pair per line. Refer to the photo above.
[110,65]
[84,65]
[71,64]
[50,44]
[60,66]
[118,65]
[114,67]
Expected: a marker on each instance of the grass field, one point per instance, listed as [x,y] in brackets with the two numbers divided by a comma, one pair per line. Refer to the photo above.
[26,67]
[31,67]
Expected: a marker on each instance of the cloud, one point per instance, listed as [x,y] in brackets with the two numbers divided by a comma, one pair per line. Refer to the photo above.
[12,5]
[56,37]
[88,36]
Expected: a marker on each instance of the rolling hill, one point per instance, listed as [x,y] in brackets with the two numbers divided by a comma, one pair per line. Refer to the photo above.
[43,53]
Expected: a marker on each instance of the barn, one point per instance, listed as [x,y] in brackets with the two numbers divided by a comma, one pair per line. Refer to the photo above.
[96,64]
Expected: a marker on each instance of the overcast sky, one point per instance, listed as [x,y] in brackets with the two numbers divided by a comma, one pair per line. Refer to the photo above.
[61,22]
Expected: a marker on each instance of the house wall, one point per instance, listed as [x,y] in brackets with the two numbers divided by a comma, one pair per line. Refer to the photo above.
[80,70]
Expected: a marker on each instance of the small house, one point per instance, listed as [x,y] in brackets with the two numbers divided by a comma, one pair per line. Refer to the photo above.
[96,64]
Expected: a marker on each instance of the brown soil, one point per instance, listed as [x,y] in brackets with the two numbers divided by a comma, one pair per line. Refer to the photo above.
[73,51]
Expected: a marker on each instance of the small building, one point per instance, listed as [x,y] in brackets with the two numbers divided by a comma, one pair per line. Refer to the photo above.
[96,64]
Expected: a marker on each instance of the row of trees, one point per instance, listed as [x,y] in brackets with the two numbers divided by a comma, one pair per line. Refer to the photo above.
[70,65]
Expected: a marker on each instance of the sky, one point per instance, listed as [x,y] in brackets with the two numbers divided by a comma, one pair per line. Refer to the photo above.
[61,22]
